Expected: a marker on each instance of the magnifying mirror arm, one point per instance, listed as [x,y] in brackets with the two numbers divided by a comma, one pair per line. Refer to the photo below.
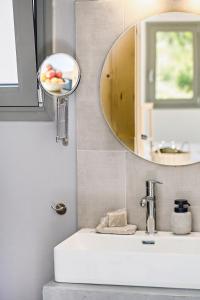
[62,120]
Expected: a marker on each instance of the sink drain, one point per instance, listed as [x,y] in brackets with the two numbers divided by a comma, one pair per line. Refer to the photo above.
[151,242]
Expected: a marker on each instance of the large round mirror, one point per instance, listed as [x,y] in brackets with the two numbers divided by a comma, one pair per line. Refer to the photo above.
[59,74]
[150,89]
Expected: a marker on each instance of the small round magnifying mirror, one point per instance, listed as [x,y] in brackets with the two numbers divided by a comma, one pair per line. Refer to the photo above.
[59,76]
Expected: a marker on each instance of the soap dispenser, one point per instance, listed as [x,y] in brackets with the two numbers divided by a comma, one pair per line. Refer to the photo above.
[181,220]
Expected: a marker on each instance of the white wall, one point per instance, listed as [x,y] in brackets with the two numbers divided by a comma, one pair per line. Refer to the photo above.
[35,172]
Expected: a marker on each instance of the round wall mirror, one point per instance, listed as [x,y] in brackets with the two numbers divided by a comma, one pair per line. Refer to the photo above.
[59,74]
[150,89]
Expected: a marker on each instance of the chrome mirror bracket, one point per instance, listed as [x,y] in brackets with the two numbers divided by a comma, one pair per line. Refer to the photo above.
[62,120]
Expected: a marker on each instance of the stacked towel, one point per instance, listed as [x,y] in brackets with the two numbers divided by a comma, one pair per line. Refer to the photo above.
[116,223]
[117,218]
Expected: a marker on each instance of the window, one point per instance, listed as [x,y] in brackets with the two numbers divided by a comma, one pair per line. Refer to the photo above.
[8,59]
[173,66]
[24,38]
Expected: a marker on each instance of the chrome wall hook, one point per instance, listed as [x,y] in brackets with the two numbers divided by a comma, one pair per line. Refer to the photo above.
[60,208]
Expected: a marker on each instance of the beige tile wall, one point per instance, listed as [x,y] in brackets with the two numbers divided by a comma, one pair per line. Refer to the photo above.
[109,177]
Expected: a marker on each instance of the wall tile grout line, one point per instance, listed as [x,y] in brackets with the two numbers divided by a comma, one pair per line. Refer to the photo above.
[125,178]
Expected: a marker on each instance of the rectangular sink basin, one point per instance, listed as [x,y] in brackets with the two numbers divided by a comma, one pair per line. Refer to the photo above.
[161,260]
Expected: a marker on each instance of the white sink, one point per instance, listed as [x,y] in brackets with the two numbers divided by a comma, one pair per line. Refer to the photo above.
[165,260]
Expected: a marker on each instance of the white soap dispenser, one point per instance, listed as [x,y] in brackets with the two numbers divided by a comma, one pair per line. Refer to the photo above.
[181,220]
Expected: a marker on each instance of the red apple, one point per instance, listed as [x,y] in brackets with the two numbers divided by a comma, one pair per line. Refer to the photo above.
[59,74]
[50,74]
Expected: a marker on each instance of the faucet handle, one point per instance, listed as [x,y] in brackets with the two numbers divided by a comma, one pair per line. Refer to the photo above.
[159,182]
[143,202]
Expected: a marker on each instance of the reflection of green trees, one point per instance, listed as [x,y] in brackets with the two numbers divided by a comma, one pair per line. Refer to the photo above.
[184,80]
[175,63]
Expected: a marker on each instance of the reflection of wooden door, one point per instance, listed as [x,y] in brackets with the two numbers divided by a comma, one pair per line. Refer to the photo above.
[118,88]
[123,87]
[106,88]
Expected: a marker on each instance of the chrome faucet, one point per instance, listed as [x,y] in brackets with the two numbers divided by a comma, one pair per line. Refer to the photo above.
[149,201]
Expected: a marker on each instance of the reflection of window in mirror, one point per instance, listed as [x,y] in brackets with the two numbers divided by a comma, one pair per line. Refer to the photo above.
[172,68]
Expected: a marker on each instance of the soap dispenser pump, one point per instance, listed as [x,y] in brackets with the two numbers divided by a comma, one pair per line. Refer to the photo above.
[181,220]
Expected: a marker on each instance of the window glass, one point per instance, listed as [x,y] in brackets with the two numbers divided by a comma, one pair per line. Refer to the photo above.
[8,61]
[174,65]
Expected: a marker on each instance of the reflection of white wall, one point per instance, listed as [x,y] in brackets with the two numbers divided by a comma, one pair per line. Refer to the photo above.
[60,62]
[172,124]
[8,63]
[178,125]
[174,17]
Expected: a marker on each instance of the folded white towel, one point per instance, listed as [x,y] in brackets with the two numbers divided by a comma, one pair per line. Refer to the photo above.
[128,229]
[117,218]
[116,223]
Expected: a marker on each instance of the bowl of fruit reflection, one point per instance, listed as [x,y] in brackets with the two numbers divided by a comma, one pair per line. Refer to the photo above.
[54,81]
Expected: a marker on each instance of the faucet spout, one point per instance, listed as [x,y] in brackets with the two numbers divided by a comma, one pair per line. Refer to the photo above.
[149,201]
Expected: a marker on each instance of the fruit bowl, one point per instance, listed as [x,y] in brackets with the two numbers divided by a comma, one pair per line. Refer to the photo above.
[53,86]
[52,79]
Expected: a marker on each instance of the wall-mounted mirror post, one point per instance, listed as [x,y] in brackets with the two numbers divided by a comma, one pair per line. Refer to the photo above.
[62,120]
[59,76]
